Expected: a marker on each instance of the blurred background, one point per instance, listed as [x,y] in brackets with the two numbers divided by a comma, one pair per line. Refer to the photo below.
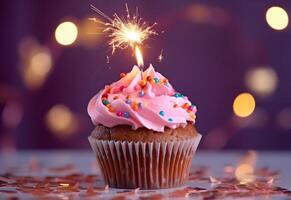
[231,58]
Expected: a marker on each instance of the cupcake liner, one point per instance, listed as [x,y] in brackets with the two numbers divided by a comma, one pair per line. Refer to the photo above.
[144,165]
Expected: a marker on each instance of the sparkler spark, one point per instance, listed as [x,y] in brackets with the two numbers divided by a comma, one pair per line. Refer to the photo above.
[124,32]
[161,57]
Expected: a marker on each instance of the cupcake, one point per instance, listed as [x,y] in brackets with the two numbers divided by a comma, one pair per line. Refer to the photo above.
[145,135]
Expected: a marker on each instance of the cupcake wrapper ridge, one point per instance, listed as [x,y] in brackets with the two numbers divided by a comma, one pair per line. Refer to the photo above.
[145,165]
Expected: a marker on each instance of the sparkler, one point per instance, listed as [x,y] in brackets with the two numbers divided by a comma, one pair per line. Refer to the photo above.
[161,57]
[130,31]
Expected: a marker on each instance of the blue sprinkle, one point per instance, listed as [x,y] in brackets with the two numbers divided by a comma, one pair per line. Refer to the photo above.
[141,93]
[177,95]
[162,113]
[128,101]
[139,104]
[156,80]
[170,119]
[105,102]
[126,114]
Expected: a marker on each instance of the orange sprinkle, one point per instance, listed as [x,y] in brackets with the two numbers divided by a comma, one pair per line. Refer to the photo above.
[116,97]
[185,105]
[122,75]
[134,106]
[175,105]
[111,109]
[149,78]
[108,105]
[142,83]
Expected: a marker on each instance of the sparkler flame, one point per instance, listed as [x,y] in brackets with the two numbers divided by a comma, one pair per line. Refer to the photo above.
[125,32]
[139,58]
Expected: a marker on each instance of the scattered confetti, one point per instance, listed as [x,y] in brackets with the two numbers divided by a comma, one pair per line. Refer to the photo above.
[87,186]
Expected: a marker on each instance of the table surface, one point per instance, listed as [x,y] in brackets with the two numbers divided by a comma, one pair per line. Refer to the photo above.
[38,163]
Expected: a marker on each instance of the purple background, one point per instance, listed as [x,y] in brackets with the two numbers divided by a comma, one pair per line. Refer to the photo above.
[205,60]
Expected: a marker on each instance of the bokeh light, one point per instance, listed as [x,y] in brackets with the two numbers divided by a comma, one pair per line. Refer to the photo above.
[277,18]
[262,80]
[66,33]
[12,114]
[89,33]
[244,105]
[258,119]
[61,121]
[36,63]
[37,69]
[244,173]
[284,119]
[198,13]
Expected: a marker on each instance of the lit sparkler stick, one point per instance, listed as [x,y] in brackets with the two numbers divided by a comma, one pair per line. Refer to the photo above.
[131,31]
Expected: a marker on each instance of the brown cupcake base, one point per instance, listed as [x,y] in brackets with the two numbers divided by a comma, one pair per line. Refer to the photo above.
[145,165]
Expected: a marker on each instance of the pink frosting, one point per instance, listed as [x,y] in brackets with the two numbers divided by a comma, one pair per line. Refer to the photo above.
[153,103]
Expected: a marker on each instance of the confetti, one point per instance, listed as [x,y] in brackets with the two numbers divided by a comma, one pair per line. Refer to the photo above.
[77,185]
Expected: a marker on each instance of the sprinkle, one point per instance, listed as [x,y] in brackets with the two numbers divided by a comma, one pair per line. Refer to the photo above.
[149,78]
[108,105]
[175,105]
[109,90]
[162,113]
[134,106]
[119,113]
[121,88]
[139,104]
[142,83]
[177,95]
[185,105]
[126,114]
[128,96]
[105,102]
[170,119]
[105,95]
[122,75]
[128,101]
[156,80]
[165,80]
[116,97]
[111,109]
[141,93]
